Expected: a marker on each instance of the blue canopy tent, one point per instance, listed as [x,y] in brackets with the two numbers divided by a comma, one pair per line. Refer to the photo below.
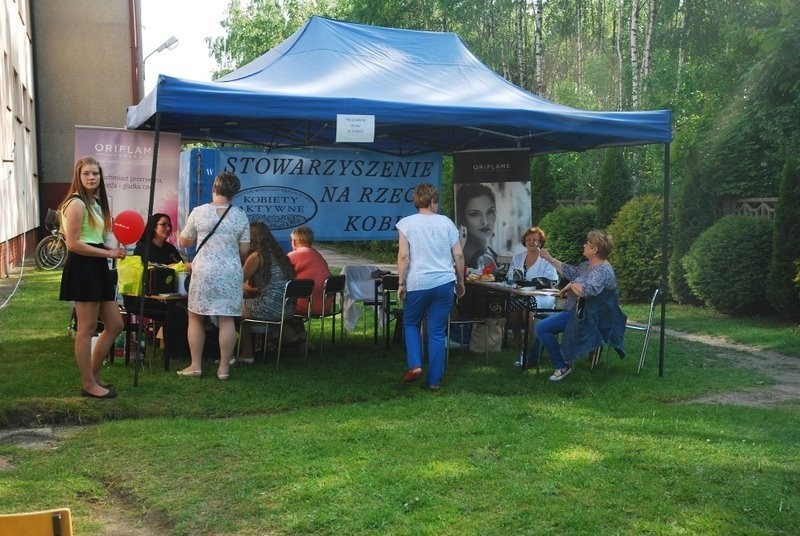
[426,90]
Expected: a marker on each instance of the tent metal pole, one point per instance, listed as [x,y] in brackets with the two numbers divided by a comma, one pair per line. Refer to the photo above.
[148,241]
[664,262]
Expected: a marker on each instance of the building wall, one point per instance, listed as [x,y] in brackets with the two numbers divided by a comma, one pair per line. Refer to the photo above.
[64,63]
[19,197]
[86,60]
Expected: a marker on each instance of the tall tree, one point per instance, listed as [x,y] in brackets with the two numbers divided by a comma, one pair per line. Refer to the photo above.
[538,78]
[694,213]
[614,186]
[647,53]
[620,58]
[634,52]
[781,289]
[519,39]
[543,189]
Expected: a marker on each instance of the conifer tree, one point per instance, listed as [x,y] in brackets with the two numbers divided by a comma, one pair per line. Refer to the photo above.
[543,189]
[781,287]
[615,186]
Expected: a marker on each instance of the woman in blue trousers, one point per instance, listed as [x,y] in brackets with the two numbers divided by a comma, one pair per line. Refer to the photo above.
[430,267]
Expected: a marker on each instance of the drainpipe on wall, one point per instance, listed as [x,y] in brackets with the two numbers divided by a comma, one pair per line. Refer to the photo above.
[134,12]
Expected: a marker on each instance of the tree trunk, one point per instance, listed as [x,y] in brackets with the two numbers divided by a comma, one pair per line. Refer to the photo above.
[579,66]
[538,78]
[681,30]
[647,59]
[519,36]
[620,60]
[635,54]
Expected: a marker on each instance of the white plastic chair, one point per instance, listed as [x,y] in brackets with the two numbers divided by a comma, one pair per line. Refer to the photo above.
[646,328]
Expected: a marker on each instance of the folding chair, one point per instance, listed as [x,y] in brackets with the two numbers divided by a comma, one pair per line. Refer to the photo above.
[294,289]
[57,522]
[594,356]
[645,328]
[334,286]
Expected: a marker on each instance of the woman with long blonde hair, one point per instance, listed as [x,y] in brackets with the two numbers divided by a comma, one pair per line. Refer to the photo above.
[87,279]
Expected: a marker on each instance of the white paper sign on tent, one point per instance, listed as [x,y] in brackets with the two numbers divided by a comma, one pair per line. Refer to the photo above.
[355,128]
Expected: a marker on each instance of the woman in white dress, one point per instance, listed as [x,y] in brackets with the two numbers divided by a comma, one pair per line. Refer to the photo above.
[216,283]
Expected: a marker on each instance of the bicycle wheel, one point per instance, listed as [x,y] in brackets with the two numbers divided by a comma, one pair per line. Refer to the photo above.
[51,253]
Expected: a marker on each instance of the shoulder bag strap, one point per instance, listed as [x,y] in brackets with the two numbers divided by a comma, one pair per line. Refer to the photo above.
[212,230]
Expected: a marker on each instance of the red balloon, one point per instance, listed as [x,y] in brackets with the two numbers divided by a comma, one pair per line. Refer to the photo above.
[128,227]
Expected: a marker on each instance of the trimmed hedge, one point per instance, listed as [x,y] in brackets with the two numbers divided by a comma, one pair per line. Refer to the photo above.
[726,267]
[637,250]
[566,229]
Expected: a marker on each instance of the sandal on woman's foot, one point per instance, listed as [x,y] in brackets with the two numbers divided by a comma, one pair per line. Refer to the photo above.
[246,360]
[412,374]
[193,373]
[223,377]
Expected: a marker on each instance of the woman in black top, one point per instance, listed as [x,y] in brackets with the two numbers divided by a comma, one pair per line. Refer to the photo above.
[159,226]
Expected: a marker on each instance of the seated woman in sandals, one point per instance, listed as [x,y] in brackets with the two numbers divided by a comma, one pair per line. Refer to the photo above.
[266,271]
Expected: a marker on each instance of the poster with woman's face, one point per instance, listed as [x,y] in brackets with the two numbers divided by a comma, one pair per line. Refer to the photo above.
[492,202]
[491,218]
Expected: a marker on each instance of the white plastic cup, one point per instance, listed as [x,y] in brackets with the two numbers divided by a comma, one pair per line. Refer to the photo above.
[182,283]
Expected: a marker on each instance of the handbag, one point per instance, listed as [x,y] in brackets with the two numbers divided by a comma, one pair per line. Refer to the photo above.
[188,280]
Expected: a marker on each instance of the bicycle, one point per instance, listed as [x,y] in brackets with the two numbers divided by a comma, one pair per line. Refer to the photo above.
[51,251]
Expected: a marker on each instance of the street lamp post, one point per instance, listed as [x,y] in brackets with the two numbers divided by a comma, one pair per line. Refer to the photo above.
[169,44]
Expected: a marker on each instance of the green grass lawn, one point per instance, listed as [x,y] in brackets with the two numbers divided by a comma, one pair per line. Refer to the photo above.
[339,445]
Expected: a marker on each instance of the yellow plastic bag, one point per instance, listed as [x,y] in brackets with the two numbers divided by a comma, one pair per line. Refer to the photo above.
[179,267]
[130,270]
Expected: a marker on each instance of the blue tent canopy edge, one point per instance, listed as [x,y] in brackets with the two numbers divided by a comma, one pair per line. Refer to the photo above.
[427,91]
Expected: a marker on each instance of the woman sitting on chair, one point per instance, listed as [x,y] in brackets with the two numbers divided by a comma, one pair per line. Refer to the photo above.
[588,280]
[266,272]
[529,265]
[309,264]
[159,226]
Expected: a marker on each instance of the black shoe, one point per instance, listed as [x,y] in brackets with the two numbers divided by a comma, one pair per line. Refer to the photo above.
[109,394]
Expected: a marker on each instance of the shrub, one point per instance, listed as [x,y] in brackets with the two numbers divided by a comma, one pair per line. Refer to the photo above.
[726,266]
[566,229]
[637,250]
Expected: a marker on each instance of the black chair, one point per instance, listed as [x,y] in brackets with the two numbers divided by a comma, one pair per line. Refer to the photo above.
[464,318]
[294,289]
[332,290]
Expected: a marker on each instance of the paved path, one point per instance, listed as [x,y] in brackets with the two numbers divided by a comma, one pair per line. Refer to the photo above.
[337,260]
